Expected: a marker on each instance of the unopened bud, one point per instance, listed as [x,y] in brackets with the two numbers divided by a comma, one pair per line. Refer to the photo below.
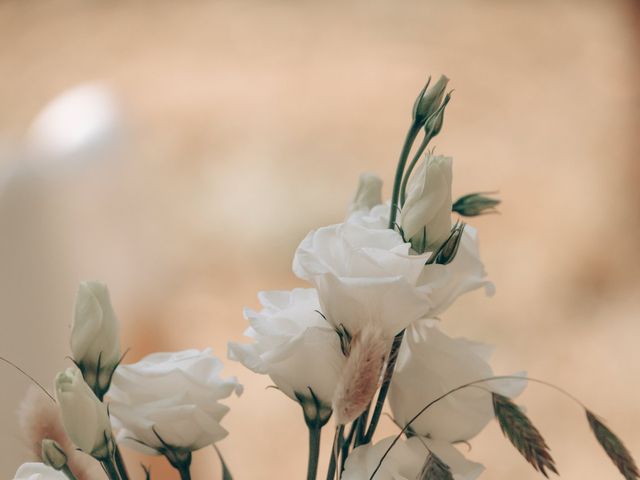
[429,100]
[447,252]
[475,204]
[369,193]
[435,121]
[53,455]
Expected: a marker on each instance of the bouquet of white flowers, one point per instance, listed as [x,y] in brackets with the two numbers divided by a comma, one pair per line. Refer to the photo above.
[363,330]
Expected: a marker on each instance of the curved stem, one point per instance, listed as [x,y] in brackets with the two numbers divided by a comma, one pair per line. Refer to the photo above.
[384,389]
[470,384]
[406,149]
[314,450]
[414,161]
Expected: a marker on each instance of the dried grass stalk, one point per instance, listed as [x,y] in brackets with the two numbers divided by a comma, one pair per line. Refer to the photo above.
[614,447]
[361,375]
[517,427]
[435,469]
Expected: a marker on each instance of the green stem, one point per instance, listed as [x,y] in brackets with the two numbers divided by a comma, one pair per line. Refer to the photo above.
[384,389]
[414,161]
[314,450]
[185,472]
[68,473]
[338,441]
[404,154]
[110,469]
[120,465]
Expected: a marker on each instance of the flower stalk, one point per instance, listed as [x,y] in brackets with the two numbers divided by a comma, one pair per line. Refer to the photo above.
[315,431]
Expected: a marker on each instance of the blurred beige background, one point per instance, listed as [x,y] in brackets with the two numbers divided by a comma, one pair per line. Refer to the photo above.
[245,124]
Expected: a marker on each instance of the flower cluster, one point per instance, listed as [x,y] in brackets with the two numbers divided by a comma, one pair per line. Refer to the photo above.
[165,404]
[379,280]
[363,330]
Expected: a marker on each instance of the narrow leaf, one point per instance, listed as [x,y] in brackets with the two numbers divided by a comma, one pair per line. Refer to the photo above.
[614,447]
[517,427]
[435,469]
[226,473]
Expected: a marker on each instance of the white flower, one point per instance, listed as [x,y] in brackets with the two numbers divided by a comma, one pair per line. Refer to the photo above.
[425,217]
[406,460]
[84,417]
[363,275]
[94,335]
[294,344]
[464,274]
[429,365]
[446,282]
[171,398]
[38,471]
[369,193]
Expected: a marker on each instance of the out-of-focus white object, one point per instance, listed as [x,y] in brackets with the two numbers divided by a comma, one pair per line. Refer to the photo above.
[77,123]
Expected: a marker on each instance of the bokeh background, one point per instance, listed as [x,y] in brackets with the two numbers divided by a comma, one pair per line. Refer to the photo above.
[232,128]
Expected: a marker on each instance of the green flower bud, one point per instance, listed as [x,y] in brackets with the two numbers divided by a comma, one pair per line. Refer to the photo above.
[447,252]
[53,455]
[429,100]
[475,204]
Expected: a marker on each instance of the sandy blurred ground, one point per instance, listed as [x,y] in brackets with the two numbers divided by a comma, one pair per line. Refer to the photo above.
[247,125]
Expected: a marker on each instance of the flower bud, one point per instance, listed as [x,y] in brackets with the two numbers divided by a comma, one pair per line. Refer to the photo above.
[84,417]
[475,204]
[448,250]
[425,218]
[429,100]
[434,122]
[369,193]
[52,454]
[94,336]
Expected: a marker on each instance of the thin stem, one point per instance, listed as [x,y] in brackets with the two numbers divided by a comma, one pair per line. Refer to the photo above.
[470,384]
[68,473]
[110,469]
[414,161]
[337,445]
[38,384]
[406,149]
[315,431]
[384,389]
[122,468]
[361,426]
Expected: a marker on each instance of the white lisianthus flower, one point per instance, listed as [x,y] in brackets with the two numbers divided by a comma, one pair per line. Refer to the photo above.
[94,335]
[38,471]
[429,365]
[406,460]
[363,275]
[446,282]
[294,345]
[84,417]
[369,193]
[170,399]
[425,218]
